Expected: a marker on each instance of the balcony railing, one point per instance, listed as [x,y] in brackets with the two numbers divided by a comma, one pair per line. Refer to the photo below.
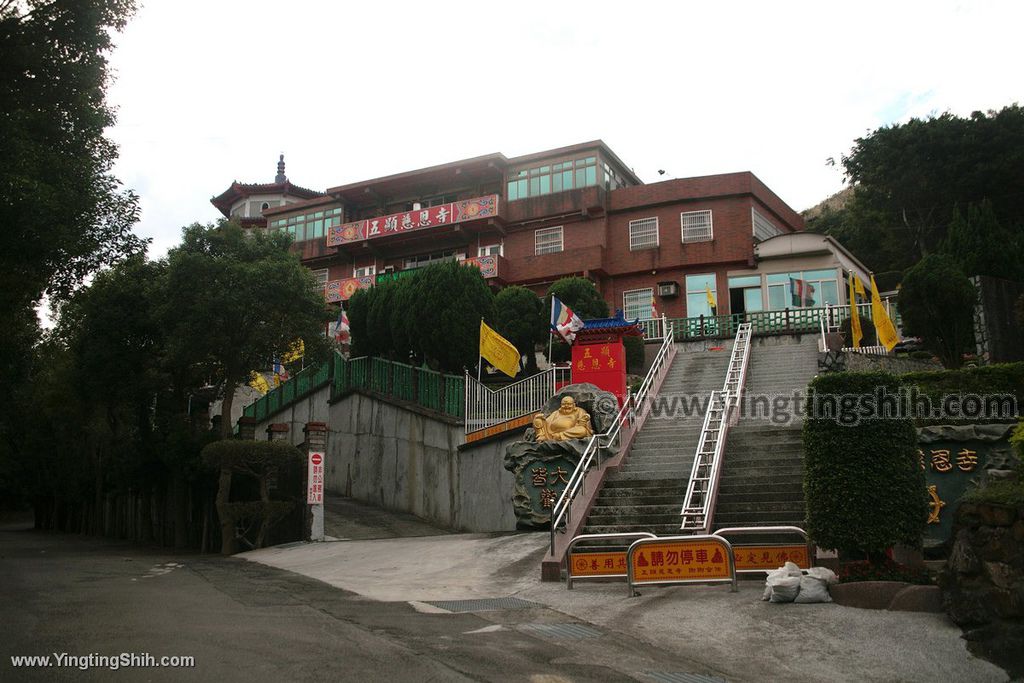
[788,320]
[491,268]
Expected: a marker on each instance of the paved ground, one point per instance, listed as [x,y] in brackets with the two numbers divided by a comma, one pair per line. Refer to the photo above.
[357,610]
[702,628]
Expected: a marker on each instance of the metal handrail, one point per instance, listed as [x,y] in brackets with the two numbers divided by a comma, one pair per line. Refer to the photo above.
[563,506]
[485,407]
[702,487]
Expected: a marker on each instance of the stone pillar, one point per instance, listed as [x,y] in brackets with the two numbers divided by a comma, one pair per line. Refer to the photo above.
[247,428]
[277,432]
[316,468]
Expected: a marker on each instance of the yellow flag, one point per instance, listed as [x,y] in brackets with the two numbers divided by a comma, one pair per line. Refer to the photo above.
[858,286]
[498,351]
[887,335]
[711,299]
[258,382]
[855,330]
[296,350]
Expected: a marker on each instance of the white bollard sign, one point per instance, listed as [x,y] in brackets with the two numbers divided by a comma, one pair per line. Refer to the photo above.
[315,490]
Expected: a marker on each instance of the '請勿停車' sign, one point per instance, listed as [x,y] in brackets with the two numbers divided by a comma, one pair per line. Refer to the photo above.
[408,221]
[680,559]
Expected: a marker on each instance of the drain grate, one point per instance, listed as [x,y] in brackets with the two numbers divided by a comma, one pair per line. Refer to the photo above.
[483,604]
[681,677]
[560,631]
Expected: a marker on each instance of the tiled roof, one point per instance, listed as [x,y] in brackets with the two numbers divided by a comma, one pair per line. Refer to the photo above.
[615,324]
[239,190]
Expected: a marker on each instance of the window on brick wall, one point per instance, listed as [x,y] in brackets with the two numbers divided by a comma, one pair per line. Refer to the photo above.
[643,233]
[548,240]
[490,250]
[638,303]
[364,271]
[696,226]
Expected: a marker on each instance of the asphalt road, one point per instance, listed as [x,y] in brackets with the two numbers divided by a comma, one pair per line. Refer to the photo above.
[246,621]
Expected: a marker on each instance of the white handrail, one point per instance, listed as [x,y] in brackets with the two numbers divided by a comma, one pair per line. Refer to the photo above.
[563,506]
[485,406]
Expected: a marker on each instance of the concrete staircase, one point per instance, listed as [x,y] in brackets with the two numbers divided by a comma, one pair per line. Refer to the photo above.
[646,494]
[762,473]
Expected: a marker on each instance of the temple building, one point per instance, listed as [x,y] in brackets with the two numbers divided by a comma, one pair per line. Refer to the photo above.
[675,247]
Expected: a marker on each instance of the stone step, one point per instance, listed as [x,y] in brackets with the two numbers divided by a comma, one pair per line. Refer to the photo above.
[647,520]
[761,495]
[757,519]
[641,509]
[655,483]
[673,499]
[764,473]
[742,459]
[785,506]
[743,485]
[668,455]
[655,478]
[656,529]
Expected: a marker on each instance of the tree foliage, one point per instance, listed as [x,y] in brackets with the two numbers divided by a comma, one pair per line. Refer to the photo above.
[581,295]
[936,303]
[63,212]
[519,317]
[232,302]
[909,177]
[981,245]
[432,317]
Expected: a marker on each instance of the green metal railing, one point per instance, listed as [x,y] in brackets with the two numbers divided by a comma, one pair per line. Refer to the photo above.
[422,386]
[787,320]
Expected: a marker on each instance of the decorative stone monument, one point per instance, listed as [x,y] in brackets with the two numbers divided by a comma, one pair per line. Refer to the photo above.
[545,459]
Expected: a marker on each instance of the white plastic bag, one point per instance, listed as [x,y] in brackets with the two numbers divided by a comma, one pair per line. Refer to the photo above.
[823,574]
[784,588]
[813,589]
[792,569]
[776,573]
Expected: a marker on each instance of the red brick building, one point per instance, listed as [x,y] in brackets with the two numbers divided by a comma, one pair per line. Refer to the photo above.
[533,219]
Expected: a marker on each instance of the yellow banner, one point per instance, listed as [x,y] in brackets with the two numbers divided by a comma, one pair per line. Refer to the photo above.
[711,298]
[296,350]
[258,382]
[855,330]
[887,335]
[498,351]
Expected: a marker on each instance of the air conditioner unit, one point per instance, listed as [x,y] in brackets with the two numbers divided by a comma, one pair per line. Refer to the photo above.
[668,289]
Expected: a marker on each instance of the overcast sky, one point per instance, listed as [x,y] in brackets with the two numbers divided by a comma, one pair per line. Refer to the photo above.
[210,92]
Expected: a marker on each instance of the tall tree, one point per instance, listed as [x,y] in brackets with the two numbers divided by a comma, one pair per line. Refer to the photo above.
[519,317]
[63,212]
[937,304]
[981,245]
[235,301]
[908,177]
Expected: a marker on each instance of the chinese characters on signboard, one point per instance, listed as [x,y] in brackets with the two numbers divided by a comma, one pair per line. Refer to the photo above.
[603,365]
[681,561]
[545,482]
[948,468]
[420,219]
[315,479]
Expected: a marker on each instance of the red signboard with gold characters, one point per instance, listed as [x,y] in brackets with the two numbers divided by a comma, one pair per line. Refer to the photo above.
[420,219]
[602,364]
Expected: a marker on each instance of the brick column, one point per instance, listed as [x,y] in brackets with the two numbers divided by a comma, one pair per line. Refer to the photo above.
[277,432]
[316,443]
[247,428]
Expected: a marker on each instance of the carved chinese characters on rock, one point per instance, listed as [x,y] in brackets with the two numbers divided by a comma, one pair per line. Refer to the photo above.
[950,468]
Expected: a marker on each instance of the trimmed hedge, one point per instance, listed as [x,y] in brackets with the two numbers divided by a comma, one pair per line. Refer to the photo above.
[864,488]
[988,380]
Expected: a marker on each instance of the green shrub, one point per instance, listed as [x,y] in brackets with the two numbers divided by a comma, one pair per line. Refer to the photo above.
[864,489]
[988,380]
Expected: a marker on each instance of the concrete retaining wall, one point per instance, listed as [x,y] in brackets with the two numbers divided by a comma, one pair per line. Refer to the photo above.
[403,459]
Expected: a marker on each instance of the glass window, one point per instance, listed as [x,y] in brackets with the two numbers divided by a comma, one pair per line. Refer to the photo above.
[696,226]
[806,289]
[548,240]
[490,250]
[364,271]
[643,233]
[697,301]
[745,281]
[557,177]
[321,277]
[638,303]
